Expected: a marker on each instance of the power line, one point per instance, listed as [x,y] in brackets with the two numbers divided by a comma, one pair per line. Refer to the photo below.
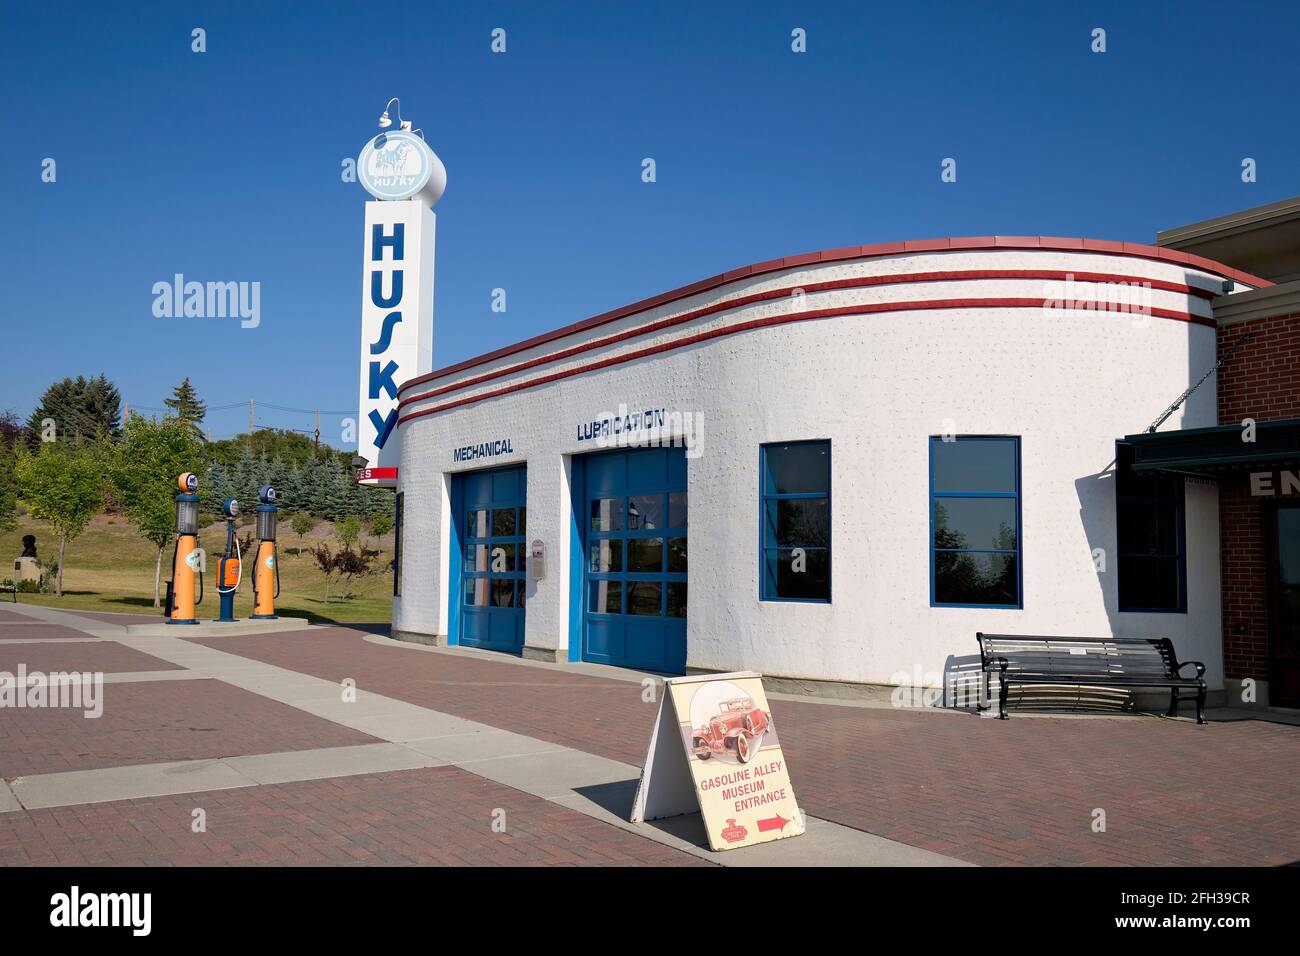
[260,404]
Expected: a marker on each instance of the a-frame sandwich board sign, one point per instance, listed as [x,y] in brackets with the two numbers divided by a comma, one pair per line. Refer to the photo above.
[714,748]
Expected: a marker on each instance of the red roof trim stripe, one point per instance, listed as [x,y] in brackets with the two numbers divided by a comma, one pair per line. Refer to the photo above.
[784,293]
[1154,253]
[867,309]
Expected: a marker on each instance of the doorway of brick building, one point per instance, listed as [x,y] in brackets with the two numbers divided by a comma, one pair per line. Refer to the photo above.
[1284,605]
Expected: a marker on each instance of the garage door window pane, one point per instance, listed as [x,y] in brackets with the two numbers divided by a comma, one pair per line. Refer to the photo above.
[606,514]
[605,597]
[677,509]
[503,592]
[503,522]
[677,555]
[476,557]
[476,592]
[644,597]
[677,599]
[645,555]
[504,557]
[606,556]
[645,512]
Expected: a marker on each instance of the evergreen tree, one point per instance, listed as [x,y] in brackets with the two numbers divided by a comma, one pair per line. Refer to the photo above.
[187,407]
[218,486]
[81,409]
[290,487]
[100,410]
[343,491]
[244,478]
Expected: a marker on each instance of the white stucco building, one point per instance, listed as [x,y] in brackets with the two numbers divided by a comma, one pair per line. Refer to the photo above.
[887,449]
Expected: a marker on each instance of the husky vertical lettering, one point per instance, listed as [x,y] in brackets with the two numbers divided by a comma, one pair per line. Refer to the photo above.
[397,286]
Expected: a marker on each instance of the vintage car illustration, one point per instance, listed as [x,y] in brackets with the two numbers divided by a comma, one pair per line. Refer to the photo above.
[738,728]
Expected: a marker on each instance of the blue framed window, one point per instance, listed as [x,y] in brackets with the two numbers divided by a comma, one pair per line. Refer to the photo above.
[495,557]
[975,521]
[1150,514]
[795,541]
[398,515]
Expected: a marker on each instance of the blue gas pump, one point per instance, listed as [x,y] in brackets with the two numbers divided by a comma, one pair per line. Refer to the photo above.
[230,566]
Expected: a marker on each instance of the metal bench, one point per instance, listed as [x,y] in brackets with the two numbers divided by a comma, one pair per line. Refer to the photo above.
[1122,662]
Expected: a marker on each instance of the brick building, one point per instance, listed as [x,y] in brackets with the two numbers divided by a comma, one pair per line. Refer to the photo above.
[1254,454]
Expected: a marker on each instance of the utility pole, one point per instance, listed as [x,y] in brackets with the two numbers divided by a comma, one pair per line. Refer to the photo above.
[318,429]
[126,411]
[250,417]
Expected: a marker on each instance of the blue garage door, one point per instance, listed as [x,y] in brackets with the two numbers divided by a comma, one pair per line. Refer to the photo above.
[635,537]
[490,511]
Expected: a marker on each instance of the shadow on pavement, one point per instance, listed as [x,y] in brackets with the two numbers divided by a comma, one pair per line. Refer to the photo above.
[617,798]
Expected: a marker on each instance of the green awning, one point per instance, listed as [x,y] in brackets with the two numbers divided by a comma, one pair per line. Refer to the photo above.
[1211,452]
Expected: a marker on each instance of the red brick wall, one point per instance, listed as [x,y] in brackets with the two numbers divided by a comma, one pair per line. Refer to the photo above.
[1262,382]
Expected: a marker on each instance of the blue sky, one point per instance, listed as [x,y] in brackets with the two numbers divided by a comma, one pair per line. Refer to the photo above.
[225,165]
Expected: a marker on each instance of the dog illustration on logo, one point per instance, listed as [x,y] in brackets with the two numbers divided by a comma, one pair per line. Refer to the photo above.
[391,160]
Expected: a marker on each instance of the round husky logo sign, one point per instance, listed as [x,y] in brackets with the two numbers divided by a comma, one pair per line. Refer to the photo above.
[401,165]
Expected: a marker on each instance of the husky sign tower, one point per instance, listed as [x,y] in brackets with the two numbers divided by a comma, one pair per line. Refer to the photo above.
[406,178]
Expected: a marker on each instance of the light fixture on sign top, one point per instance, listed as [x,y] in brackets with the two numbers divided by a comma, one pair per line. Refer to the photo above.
[385,121]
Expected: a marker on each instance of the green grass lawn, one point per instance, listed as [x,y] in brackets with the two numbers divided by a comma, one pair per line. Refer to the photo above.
[110,567]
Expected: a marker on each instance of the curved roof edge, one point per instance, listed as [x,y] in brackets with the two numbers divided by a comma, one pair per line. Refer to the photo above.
[1104,246]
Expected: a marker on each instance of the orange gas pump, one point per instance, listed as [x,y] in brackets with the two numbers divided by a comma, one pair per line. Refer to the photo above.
[266,572]
[187,566]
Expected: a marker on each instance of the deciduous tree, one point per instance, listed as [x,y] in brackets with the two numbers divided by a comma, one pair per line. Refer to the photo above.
[63,487]
[143,471]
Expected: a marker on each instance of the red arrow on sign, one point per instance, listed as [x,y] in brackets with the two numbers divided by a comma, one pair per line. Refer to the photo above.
[777,822]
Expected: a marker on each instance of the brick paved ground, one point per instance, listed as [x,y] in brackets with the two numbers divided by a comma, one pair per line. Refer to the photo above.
[108,657]
[156,721]
[612,720]
[991,792]
[438,816]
